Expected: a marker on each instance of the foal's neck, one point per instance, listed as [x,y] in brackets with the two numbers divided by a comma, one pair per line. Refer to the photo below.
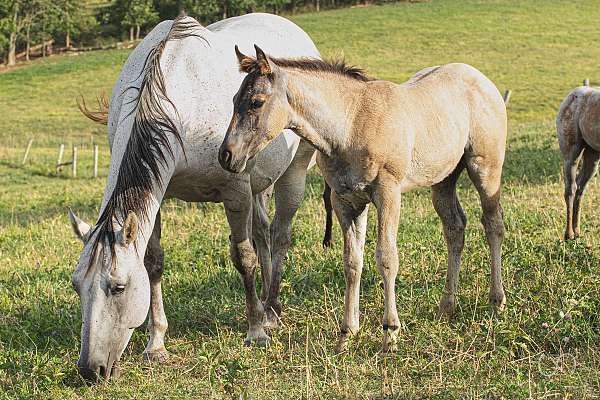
[323,107]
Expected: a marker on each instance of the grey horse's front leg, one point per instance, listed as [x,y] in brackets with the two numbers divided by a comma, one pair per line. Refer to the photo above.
[157,322]
[262,238]
[289,192]
[238,208]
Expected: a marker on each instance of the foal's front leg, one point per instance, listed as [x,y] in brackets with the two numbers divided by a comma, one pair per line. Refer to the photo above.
[238,208]
[387,201]
[353,220]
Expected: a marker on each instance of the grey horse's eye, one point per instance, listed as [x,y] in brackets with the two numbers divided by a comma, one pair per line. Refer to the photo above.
[117,289]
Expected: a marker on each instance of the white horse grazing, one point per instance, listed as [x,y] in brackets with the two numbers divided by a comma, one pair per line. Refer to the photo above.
[168,116]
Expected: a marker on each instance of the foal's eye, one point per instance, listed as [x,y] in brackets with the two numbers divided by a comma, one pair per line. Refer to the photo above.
[117,289]
[257,103]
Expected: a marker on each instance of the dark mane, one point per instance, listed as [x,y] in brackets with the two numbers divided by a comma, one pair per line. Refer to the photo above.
[317,65]
[148,146]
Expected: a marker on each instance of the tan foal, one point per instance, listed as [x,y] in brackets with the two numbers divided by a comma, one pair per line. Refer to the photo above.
[378,140]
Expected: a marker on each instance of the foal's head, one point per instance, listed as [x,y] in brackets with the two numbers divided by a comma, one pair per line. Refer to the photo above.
[261,111]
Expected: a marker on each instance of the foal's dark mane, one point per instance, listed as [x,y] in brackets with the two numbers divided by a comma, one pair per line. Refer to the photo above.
[317,65]
[148,146]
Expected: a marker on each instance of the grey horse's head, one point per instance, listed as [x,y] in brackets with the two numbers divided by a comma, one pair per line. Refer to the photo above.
[114,291]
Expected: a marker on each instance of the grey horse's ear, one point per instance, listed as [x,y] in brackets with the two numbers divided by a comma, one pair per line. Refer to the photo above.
[130,229]
[264,64]
[247,64]
[80,228]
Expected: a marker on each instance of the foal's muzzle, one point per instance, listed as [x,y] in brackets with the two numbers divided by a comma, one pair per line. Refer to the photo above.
[230,157]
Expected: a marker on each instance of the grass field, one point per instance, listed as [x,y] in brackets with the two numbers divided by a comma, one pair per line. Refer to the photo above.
[539,49]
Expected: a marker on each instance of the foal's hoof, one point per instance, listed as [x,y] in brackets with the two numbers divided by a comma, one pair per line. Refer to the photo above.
[390,341]
[447,306]
[259,339]
[498,301]
[156,357]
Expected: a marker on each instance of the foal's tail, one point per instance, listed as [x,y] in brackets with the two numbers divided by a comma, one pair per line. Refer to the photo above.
[99,116]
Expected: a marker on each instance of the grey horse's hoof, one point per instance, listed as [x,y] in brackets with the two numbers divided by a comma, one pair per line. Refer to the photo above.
[156,357]
[498,301]
[271,320]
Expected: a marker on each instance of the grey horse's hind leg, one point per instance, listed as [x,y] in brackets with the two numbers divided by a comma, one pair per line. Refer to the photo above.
[157,322]
[570,169]
[588,168]
[289,192]
[454,221]
[328,216]
[238,209]
[262,238]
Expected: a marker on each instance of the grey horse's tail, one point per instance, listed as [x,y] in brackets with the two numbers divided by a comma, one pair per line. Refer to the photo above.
[329,216]
[100,115]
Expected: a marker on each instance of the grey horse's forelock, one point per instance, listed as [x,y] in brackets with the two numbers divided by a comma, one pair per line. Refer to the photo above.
[148,146]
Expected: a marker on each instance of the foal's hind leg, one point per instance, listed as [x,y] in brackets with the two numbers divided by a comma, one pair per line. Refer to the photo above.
[485,172]
[447,206]
[588,167]
[157,323]
[570,168]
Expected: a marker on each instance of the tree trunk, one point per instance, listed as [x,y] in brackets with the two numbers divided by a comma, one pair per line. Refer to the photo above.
[131,33]
[224,9]
[137,32]
[12,49]
[68,38]
[318,5]
[12,38]
[28,41]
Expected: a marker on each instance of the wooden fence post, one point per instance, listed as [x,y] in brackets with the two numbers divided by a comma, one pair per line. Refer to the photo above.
[61,152]
[74,162]
[27,151]
[95,161]
[507,96]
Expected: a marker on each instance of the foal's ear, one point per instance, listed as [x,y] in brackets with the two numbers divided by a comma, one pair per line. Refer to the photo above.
[264,64]
[247,64]
[80,228]
[130,229]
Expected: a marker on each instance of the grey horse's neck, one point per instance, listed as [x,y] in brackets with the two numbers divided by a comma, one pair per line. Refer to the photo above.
[324,105]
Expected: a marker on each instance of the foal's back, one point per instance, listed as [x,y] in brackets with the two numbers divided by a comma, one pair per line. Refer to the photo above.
[436,117]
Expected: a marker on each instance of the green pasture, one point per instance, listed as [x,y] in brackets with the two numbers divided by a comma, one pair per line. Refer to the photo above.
[545,345]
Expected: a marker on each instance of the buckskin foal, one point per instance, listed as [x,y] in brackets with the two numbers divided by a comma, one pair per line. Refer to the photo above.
[378,140]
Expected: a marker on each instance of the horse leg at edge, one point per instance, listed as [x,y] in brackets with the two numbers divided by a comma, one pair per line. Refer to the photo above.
[589,166]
